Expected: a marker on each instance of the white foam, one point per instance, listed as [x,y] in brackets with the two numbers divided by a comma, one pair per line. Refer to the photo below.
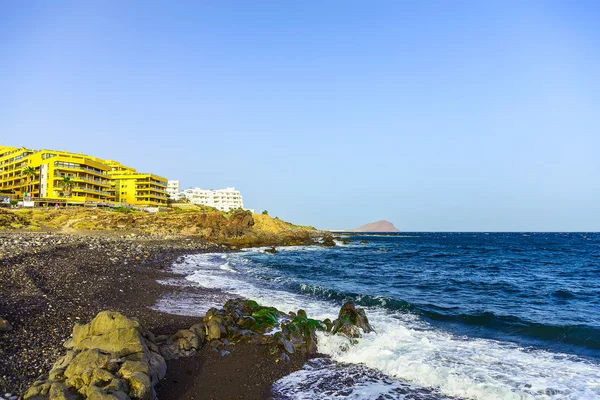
[322,379]
[283,248]
[211,275]
[469,368]
[410,350]
[195,306]
[227,267]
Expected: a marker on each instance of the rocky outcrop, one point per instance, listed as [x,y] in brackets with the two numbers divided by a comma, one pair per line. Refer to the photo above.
[351,321]
[238,228]
[328,241]
[114,358]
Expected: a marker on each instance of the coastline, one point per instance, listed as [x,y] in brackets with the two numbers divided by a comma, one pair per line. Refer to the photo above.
[51,281]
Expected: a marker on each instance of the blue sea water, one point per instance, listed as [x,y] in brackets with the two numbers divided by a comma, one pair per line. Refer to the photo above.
[458,315]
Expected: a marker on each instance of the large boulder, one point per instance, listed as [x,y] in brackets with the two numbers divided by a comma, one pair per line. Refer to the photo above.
[111,358]
[351,321]
[110,332]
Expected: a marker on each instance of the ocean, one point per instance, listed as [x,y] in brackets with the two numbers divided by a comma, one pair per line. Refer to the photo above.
[457,315]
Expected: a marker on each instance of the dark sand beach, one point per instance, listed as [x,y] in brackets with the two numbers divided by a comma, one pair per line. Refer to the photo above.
[48,282]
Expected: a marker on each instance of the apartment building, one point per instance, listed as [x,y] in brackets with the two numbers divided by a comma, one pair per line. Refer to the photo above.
[222,199]
[173,190]
[88,180]
[128,186]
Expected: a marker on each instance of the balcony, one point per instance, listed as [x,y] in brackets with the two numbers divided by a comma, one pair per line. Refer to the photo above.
[84,189]
[99,182]
[60,166]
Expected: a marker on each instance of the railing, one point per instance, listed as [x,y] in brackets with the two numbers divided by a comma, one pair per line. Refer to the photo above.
[160,196]
[79,188]
[100,181]
[158,189]
[59,164]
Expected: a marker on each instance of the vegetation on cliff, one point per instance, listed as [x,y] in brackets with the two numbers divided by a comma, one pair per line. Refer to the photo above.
[238,228]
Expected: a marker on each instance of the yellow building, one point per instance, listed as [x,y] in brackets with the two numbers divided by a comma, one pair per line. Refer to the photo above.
[131,187]
[12,182]
[89,178]
[93,180]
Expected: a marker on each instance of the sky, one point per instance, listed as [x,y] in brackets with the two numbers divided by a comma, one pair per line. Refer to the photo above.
[434,115]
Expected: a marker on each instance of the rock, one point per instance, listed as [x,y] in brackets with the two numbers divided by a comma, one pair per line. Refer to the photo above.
[117,385]
[110,332]
[185,342]
[130,367]
[246,322]
[198,329]
[311,343]
[78,373]
[37,391]
[162,338]
[140,386]
[65,360]
[5,326]
[108,358]
[350,321]
[108,321]
[96,393]
[158,367]
[328,241]
[364,242]
[284,358]
[272,250]
[214,330]
[101,378]
[346,240]
[287,345]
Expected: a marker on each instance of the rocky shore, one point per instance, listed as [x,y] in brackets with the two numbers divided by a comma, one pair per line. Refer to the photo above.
[50,282]
[114,358]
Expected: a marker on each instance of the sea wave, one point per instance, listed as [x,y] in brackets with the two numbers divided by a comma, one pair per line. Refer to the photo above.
[578,335]
[406,349]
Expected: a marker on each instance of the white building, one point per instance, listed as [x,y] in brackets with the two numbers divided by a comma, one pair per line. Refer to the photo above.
[221,199]
[173,190]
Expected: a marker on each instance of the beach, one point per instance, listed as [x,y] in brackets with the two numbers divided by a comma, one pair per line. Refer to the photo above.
[50,281]
[438,304]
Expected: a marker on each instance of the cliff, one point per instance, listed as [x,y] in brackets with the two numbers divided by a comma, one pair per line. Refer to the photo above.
[237,228]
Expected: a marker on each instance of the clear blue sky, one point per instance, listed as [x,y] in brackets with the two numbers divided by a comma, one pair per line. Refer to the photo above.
[442,115]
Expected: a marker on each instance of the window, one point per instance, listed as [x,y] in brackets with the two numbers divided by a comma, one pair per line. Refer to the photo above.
[65,164]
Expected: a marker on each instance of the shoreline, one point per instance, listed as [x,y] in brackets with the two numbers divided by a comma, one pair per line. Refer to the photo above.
[51,281]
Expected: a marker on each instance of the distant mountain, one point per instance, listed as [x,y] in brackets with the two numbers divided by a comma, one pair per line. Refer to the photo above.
[379,226]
